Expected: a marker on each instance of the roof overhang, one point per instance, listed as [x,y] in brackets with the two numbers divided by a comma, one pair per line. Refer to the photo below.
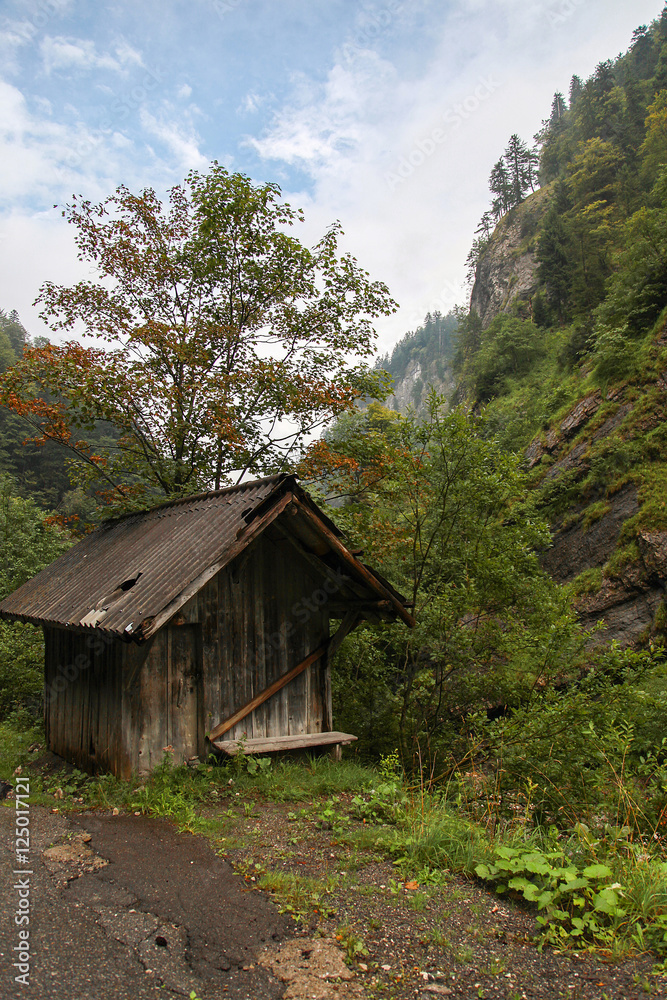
[120,546]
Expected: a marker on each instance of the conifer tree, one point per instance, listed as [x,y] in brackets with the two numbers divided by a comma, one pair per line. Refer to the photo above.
[516,157]
[501,186]
[485,225]
[576,87]
[558,109]
[553,254]
[532,164]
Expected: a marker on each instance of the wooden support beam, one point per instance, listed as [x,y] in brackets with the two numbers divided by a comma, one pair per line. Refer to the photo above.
[264,695]
[332,645]
[348,624]
[358,568]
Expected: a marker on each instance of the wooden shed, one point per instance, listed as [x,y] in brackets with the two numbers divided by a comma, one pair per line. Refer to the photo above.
[202,621]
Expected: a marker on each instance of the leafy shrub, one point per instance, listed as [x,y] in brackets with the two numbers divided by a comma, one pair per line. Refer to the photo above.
[573,901]
[385,803]
[510,347]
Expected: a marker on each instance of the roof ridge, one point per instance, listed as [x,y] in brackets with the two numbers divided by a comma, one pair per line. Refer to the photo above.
[193,497]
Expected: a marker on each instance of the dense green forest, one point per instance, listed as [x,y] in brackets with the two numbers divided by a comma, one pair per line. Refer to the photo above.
[509,697]
[431,344]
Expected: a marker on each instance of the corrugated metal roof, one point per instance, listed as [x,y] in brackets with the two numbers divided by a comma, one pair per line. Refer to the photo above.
[162,550]
[133,569]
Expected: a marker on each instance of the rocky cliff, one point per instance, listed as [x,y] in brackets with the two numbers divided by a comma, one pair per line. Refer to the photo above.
[507,269]
[600,468]
[422,360]
[411,390]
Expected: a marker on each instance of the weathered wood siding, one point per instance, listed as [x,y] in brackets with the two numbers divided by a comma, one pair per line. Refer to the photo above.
[83,679]
[163,704]
[115,706]
[257,625]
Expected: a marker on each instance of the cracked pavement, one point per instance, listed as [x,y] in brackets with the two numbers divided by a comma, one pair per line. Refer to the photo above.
[125,906]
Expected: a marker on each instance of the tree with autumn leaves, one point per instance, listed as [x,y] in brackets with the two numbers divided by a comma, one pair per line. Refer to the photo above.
[214,342]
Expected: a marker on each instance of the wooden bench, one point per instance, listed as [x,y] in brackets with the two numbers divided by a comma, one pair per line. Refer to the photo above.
[271,744]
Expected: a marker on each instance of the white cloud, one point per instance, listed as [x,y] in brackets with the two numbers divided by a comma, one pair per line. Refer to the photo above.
[179,136]
[61,53]
[11,42]
[184,91]
[43,160]
[329,127]
[250,104]
[19,32]
[128,56]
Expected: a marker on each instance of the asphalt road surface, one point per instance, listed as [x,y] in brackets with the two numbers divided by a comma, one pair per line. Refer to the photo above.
[125,907]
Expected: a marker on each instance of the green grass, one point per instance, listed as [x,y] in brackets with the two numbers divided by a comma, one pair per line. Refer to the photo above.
[594,512]
[17,732]
[293,781]
[622,557]
[588,582]
[297,895]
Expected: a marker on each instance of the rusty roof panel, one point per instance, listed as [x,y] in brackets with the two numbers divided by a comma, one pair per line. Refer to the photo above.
[162,550]
[130,570]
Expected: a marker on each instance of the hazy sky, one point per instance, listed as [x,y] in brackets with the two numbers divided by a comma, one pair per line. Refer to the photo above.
[386,115]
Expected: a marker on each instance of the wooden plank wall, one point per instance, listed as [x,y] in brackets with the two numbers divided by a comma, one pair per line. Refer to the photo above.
[83,675]
[114,706]
[243,612]
[112,703]
[145,703]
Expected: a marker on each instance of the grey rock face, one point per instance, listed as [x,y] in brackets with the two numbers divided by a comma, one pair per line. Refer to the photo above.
[504,274]
[413,389]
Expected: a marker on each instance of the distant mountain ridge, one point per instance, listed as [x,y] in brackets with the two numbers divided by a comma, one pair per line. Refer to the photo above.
[421,360]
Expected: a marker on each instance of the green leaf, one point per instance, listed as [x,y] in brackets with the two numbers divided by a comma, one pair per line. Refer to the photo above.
[572,884]
[607,901]
[507,852]
[536,863]
[597,871]
[529,890]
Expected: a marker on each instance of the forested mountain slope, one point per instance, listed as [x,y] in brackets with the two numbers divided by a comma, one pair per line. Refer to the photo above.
[565,342]
[422,360]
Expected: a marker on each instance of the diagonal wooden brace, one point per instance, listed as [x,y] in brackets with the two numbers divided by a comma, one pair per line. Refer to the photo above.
[349,622]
